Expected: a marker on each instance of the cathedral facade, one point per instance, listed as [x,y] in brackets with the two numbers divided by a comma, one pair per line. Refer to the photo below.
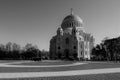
[71,40]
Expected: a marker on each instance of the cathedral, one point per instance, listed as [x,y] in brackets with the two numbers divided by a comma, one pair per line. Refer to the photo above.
[71,40]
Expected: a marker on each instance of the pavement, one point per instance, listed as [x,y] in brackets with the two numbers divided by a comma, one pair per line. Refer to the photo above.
[53,74]
[57,74]
[12,64]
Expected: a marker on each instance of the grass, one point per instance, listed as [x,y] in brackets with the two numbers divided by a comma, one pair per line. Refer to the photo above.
[46,63]
[65,68]
[92,65]
[7,61]
[115,76]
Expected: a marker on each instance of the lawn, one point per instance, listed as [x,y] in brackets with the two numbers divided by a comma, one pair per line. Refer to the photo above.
[46,63]
[8,61]
[89,65]
[115,76]
[64,68]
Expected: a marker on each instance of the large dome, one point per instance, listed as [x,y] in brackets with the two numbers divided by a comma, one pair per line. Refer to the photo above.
[71,21]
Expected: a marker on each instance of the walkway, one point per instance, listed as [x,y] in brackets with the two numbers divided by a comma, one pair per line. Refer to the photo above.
[60,73]
[52,74]
[12,64]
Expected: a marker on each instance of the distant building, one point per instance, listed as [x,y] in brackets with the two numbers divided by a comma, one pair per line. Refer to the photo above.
[71,41]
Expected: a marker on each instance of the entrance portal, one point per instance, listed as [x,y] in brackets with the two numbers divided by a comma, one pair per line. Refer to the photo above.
[66,51]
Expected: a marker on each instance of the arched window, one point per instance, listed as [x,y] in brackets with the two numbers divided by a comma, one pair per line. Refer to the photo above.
[74,31]
[74,47]
[70,24]
[67,24]
[81,53]
[67,40]
[59,47]
[79,38]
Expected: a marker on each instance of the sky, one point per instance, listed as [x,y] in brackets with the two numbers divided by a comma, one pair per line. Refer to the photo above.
[36,21]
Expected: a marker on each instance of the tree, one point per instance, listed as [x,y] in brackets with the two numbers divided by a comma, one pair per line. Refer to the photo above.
[9,46]
[31,51]
[8,50]
[45,54]
[98,52]
[113,48]
[16,51]
[2,52]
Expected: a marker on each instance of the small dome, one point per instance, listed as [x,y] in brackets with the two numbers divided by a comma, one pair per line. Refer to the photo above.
[59,31]
[59,28]
[71,21]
